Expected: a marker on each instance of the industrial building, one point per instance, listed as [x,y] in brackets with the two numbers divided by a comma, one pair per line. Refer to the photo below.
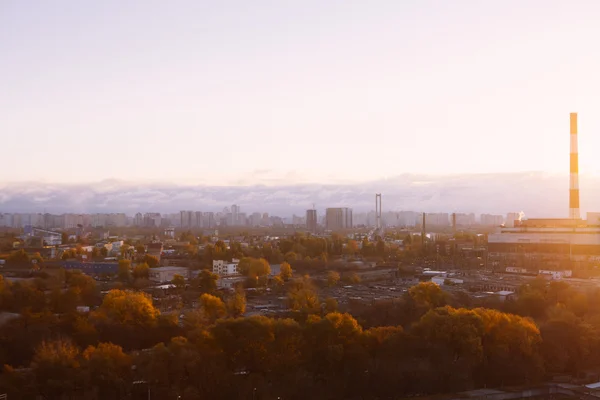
[535,244]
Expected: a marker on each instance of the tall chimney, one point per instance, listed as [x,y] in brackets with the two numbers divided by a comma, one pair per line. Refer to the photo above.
[574,178]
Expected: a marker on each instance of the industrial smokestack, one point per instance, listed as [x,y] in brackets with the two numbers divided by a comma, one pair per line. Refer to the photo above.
[574,178]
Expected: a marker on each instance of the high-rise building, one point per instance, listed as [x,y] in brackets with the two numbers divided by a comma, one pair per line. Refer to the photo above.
[491,220]
[311,220]
[338,218]
[186,219]
[208,220]
[235,211]
[198,219]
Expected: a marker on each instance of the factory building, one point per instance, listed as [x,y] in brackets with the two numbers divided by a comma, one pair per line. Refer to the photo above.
[547,244]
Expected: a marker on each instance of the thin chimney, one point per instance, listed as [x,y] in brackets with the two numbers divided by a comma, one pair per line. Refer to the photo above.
[574,177]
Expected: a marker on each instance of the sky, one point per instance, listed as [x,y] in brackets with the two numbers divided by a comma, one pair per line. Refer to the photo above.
[241,92]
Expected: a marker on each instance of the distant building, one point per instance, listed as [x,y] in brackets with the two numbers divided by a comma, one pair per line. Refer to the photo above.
[511,218]
[338,218]
[465,220]
[436,219]
[186,219]
[491,220]
[311,220]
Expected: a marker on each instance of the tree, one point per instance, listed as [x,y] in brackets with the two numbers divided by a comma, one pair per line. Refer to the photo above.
[212,307]
[179,282]
[18,258]
[290,257]
[108,370]
[331,305]
[56,368]
[141,271]
[207,281]
[124,273]
[302,296]
[428,294]
[85,286]
[285,271]
[151,260]
[352,277]
[333,277]
[352,247]
[236,304]
[127,307]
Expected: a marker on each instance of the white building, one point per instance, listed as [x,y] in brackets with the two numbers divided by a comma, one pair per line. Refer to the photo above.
[222,267]
[166,274]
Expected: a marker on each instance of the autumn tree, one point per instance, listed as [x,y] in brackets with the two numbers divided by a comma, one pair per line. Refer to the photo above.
[428,294]
[108,370]
[333,277]
[236,303]
[141,271]
[285,271]
[179,282]
[151,260]
[124,273]
[56,368]
[212,307]
[302,296]
[207,281]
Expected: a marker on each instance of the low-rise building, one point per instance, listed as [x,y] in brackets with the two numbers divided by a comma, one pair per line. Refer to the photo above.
[222,267]
[166,274]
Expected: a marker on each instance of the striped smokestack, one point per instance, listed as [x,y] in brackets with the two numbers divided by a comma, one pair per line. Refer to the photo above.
[574,179]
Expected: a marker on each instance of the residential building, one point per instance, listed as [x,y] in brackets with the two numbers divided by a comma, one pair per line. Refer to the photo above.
[186,219]
[491,220]
[222,267]
[464,220]
[311,220]
[209,220]
[436,219]
[198,219]
[338,218]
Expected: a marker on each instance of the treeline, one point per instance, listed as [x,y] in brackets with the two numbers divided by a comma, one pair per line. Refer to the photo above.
[427,341]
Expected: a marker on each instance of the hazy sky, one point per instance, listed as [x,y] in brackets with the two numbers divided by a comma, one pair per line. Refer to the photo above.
[229,91]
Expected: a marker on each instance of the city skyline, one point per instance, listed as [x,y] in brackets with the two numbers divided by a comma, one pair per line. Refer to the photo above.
[368,90]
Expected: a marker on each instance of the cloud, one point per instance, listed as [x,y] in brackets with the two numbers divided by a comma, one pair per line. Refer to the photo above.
[538,194]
